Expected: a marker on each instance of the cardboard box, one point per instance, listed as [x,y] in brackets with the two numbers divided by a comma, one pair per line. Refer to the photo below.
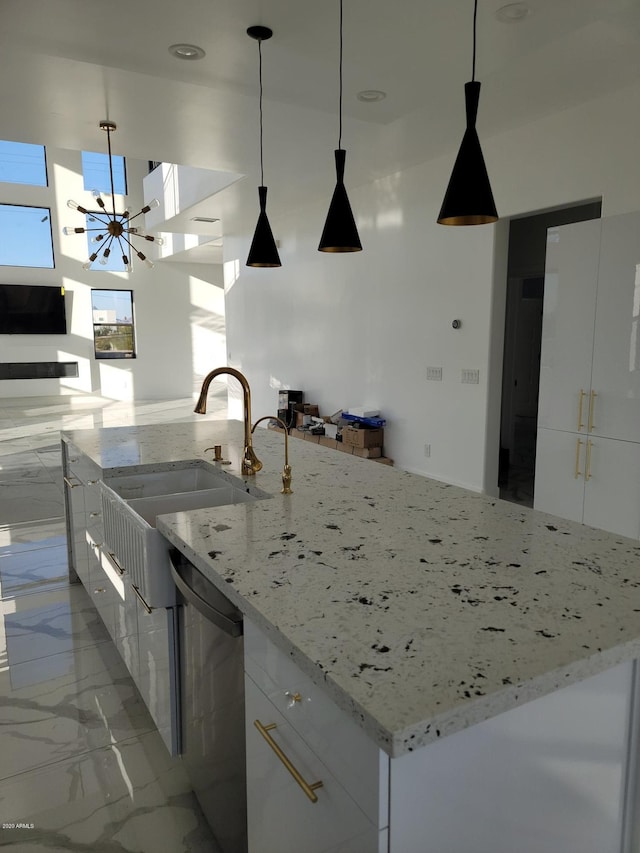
[368,452]
[310,409]
[345,448]
[275,427]
[362,437]
[325,441]
[308,437]
[384,459]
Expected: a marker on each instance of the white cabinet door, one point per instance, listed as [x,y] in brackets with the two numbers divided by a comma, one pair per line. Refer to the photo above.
[570,284]
[280,817]
[157,673]
[547,777]
[559,455]
[612,491]
[616,353]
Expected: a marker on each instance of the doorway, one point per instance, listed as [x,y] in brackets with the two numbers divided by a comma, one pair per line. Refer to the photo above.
[522,345]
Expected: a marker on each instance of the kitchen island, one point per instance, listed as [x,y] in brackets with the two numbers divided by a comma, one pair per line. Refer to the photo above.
[427,614]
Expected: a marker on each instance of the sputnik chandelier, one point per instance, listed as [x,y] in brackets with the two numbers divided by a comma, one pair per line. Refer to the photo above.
[113,230]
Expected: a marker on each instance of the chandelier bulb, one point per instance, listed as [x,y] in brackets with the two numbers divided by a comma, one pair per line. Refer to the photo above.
[68,231]
[75,206]
[97,238]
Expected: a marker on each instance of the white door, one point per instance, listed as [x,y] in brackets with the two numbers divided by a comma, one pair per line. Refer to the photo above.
[612,492]
[570,285]
[616,353]
[560,468]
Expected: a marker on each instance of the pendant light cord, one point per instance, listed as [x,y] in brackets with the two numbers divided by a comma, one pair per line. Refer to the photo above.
[340,99]
[475,15]
[113,199]
[260,77]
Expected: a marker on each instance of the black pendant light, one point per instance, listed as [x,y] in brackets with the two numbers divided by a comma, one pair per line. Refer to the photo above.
[263,251]
[340,233]
[469,200]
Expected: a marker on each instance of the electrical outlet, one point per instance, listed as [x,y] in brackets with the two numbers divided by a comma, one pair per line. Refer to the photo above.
[434,374]
[427,450]
[470,377]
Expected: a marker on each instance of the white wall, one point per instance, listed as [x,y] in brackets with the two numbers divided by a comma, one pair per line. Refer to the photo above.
[179,308]
[362,328]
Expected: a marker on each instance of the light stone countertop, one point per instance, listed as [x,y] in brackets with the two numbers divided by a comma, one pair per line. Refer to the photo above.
[421,608]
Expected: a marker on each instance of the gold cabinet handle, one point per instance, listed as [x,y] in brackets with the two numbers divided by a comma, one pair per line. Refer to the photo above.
[306,787]
[578,472]
[592,400]
[580,400]
[70,484]
[587,475]
[144,603]
[115,562]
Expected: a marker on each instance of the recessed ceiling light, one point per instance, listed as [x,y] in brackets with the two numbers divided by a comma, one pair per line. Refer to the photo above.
[371,95]
[203,219]
[513,13]
[186,51]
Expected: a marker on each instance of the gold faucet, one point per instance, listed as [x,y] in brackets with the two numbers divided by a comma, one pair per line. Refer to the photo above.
[286,471]
[250,462]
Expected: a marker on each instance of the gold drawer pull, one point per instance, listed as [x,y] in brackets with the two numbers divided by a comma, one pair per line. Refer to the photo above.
[115,562]
[578,445]
[592,400]
[580,399]
[587,476]
[70,484]
[306,787]
[144,603]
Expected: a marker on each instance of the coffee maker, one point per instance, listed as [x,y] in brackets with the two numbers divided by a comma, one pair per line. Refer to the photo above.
[287,400]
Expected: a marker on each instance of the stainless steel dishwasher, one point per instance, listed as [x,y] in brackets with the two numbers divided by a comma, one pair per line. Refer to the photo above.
[212,702]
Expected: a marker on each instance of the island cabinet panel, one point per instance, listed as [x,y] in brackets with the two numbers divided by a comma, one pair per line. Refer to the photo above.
[590,375]
[82,501]
[280,816]
[547,776]
[322,741]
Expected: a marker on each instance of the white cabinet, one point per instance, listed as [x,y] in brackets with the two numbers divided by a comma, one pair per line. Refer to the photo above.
[554,774]
[571,278]
[587,455]
[144,636]
[291,723]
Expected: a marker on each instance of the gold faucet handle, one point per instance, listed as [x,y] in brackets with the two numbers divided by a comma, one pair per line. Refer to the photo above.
[286,481]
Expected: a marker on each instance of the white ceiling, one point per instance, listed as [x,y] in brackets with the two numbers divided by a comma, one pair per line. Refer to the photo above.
[66,64]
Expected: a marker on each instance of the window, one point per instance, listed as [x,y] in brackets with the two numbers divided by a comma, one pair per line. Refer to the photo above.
[26,236]
[113,332]
[22,163]
[95,171]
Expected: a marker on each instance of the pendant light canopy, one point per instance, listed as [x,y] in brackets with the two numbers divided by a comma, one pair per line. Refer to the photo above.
[263,251]
[340,233]
[468,199]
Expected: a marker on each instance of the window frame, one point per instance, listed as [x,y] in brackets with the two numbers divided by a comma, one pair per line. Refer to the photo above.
[46,210]
[109,355]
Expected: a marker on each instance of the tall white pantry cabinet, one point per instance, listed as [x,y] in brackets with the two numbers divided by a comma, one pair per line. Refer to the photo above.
[588,447]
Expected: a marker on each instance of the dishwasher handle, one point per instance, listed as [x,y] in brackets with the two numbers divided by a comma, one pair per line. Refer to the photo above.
[231,625]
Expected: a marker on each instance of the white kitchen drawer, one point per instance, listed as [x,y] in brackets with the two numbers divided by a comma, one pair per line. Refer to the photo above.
[281,818]
[351,756]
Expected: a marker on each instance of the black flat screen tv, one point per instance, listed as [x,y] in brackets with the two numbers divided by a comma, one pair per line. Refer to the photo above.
[27,309]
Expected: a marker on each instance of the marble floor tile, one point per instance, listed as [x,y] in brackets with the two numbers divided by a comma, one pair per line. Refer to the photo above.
[128,797]
[31,535]
[34,570]
[43,624]
[54,708]
[24,502]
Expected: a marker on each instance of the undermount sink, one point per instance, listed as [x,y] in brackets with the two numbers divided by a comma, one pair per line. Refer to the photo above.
[131,504]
